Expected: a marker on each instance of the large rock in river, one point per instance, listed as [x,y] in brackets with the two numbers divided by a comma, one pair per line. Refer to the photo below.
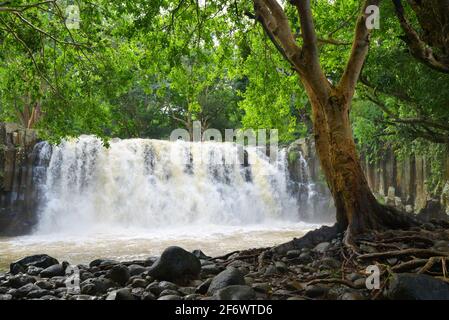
[38,260]
[176,265]
[410,286]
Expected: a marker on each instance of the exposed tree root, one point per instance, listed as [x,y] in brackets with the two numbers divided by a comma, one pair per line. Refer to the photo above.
[334,280]
[443,279]
[380,245]
[414,251]
[244,257]
[409,239]
[431,262]
[409,265]
[405,252]
[401,247]
[345,261]
[350,244]
[224,257]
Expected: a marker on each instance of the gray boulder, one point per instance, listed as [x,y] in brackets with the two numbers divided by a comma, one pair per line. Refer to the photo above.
[164,285]
[211,269]
[230,276]
[38,260]
[148,296]
[203,287]
[139,283]
[291,254]
[121,294]
[54,271]
[96,286]
[24,290]
[44,284]
[38,293]
[322,247]
[176,265]
[34,271]
[20,280]
[410,286]
[135,270]
[102,263]
[119,274]
[314,291]
[154,288]
[169,292]
[235,293]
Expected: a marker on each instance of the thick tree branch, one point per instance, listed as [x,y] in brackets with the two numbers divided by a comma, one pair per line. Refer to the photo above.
[424,122]
[21,8]
[358,55]
[314,75]
[418,48]
[405,98]
[34,27]
[419,127]
[310,47]
[276,25]
[305,60]
[396,94]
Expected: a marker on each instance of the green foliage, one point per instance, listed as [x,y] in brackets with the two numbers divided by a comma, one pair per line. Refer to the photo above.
[273,96]
[142,68]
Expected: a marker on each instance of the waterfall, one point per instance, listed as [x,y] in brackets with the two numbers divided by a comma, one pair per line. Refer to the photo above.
[306,189]
[154,184]
[307,185]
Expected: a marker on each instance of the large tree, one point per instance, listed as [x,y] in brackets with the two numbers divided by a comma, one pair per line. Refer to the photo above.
[357,209]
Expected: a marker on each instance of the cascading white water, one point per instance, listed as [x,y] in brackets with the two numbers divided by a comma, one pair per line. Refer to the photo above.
[153,184]
[307,191]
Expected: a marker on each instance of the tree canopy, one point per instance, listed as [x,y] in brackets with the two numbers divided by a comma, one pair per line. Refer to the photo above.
[142,68]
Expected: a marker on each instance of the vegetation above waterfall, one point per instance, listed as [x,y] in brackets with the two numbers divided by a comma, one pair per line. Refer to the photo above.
[143,69]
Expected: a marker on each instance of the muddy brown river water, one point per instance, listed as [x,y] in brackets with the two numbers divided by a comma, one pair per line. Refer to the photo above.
[138,245]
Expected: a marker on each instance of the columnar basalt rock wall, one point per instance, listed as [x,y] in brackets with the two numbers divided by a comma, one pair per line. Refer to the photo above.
[400,183]
[404,183]
[17,198]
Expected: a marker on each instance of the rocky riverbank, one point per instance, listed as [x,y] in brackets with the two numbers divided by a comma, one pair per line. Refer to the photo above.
[412,265]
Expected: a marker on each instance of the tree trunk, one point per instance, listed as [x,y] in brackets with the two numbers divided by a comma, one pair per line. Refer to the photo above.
[322,147]
[350,188]
[357,209]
